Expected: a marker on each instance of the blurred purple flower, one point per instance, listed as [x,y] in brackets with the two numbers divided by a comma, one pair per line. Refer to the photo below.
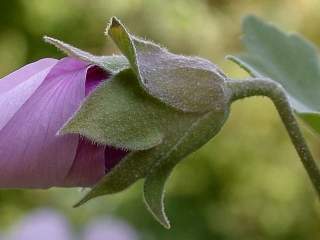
[43,224]
[50,225]
[35,102]
[109,229]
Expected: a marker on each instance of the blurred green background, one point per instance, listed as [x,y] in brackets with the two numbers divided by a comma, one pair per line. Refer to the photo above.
[247,183]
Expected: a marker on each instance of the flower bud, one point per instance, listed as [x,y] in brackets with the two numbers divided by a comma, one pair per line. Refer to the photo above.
[161,107]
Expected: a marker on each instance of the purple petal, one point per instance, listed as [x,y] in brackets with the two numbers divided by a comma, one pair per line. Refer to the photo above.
[31,153]
[88,166]
[17,87]
[35,103]
[92,161]
[89,163]
[113,156]
[95,75]
[24,73]
[44,224]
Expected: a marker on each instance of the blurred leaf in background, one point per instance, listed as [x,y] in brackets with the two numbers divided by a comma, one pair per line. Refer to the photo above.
[233,188]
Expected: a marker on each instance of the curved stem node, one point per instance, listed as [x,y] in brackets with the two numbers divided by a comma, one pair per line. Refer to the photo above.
[273,90]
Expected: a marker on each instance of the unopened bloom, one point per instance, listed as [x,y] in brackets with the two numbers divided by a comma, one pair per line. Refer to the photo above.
[159,105]
[35,102]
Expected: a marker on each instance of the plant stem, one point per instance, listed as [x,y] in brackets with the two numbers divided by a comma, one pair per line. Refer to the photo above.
[273,90]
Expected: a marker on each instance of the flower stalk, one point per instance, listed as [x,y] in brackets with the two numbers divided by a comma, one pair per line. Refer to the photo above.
[274,91]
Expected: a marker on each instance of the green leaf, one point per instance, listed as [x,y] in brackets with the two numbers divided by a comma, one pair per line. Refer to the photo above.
[288,59]
[198,133]
[190,84]
[113,64]
[119,114]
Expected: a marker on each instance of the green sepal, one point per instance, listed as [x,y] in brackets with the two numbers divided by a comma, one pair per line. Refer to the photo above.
[118,114]
[286,58]
[190,84]
[112,64]
[139,109]
[124,92]
[198,133]
[182,132]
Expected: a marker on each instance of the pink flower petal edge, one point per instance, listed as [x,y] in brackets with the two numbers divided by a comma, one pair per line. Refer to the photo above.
[35,102]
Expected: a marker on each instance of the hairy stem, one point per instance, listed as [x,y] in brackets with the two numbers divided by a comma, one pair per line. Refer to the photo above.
[273,90]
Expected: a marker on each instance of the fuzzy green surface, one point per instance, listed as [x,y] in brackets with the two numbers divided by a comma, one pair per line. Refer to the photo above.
[287,58]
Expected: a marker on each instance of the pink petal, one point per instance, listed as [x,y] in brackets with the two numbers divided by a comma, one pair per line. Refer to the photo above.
[88,166]
[24,73]
[113,156]
[35,102]
[14,92]
[92,161]
[95,75]
[31,153]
